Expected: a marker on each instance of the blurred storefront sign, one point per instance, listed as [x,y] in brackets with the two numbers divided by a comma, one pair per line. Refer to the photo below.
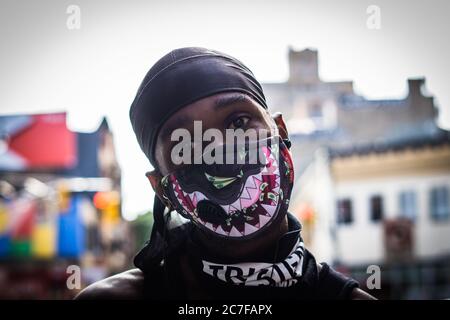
[36,142]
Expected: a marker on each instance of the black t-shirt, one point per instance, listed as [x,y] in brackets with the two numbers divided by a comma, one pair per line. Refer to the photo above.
[175,272]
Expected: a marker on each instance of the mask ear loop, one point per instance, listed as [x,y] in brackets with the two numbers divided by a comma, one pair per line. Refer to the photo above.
[161,227]
[166,240]
[158,215]
[276,132]
[288,143]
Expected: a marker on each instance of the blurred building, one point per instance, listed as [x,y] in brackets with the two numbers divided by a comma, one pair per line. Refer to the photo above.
[60,201]
[372,179]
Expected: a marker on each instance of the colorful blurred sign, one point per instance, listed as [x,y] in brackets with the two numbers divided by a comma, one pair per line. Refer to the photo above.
[71,240]
[36,142]
[25,231]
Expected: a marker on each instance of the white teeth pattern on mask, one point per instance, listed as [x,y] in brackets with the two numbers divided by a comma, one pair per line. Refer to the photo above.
[234,232]
[273,168]
[264,170]
[269,209]
[175,186]
[250,182]
[276,190]
[234,209]
[236,206]
[248,229]
[219,230]
[193,198]
[263,220]
[200,196]
[251,187]
[277,180]
[177,193]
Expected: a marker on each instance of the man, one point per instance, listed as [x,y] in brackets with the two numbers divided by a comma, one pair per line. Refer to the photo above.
[237,239]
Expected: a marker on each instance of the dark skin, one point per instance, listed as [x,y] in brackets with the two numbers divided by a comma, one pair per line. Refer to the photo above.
[221,111]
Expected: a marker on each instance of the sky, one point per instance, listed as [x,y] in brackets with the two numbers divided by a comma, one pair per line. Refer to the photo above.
[95,70]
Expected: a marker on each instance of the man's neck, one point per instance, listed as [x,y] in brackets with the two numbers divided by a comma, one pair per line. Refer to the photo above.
[261,248]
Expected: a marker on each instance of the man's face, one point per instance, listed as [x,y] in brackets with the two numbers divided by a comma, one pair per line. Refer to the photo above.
[221,111]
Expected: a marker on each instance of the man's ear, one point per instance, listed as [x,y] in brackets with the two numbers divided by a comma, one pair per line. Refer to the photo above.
[282,129]
[154,177]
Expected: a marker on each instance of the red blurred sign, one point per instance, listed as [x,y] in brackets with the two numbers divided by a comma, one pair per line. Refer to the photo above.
[42,142]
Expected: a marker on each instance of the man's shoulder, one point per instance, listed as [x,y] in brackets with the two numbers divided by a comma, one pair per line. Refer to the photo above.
[126,285]
[347,288]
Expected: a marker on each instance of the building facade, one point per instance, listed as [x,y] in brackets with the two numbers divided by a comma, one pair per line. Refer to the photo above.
[372,179]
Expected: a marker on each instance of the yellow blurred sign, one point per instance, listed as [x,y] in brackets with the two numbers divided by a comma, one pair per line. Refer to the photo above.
[43,240]
[109,205]
[3,219]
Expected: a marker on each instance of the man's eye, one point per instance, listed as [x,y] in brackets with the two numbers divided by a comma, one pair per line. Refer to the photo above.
[239,122]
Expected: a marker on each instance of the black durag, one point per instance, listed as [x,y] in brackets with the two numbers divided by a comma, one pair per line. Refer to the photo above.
[181,77]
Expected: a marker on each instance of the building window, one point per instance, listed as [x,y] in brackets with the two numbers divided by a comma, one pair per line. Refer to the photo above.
[439,203]
[344,211]
[315,111]
[376,208]
[407,204]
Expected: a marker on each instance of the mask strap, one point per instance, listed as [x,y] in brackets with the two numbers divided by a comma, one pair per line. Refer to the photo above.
[158,215]
[286,141]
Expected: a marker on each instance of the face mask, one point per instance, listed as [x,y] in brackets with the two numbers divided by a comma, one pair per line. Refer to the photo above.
[238,198]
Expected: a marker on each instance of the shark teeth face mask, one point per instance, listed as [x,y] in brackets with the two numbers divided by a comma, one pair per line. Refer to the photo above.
[237,199]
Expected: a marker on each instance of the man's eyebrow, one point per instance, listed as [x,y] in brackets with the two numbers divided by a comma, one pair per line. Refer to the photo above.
[176,124]
[230,99]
